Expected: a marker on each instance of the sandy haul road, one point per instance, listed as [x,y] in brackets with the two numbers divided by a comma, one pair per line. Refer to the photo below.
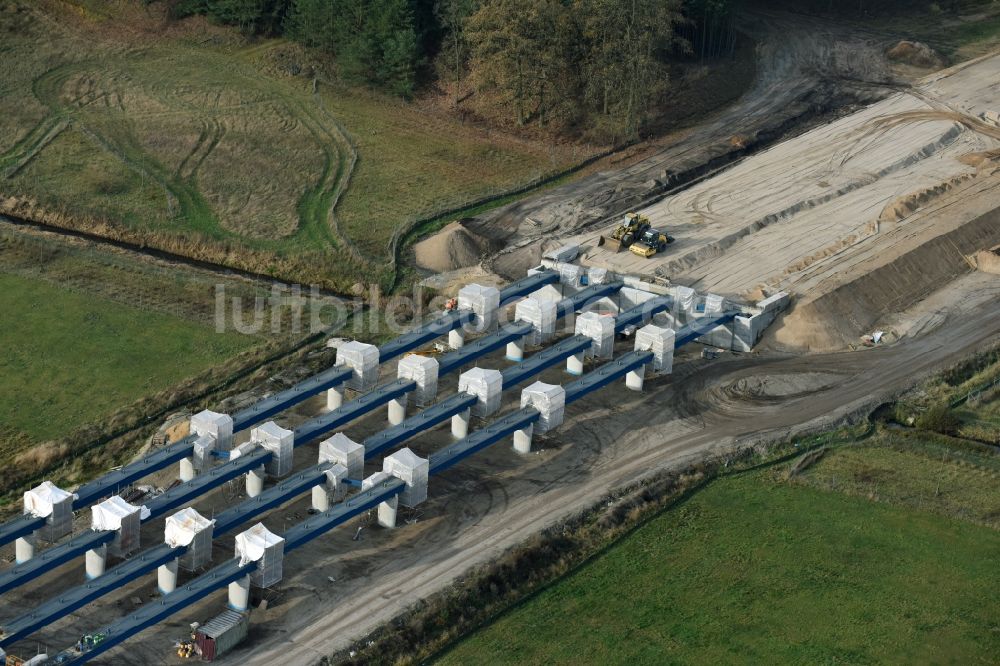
[495,501]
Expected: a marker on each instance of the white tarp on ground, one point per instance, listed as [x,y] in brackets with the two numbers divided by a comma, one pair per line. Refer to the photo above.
[487,385]
[363,359]
[181,528]
[424,371]
[40,500]
[413,470]
[549,400]
[542,315]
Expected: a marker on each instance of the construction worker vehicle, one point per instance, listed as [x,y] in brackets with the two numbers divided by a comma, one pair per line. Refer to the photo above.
[651,242]
[632,227]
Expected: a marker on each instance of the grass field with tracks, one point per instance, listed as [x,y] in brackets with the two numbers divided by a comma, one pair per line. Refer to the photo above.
[72,358]
[186,135]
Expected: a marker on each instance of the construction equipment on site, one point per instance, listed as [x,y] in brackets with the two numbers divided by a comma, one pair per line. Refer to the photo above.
[632,227]
[651,242]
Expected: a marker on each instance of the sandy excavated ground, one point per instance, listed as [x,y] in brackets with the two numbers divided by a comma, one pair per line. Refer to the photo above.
[819,211]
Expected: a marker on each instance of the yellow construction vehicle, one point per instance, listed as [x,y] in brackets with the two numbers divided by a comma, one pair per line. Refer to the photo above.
[631,228]
[651,242]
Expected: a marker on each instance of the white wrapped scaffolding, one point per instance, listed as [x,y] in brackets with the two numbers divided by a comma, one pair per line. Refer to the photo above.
[541,314]
[55,505]
[280,442]
[549,400]
[214,424]
[202,456]
[485,384]
[660,341]
[189,528]
[260,545]
[714,303]
[115,514]
[570,274]
[684,298]
[413,470]
[483,301]
[601,329]
[343,450]
[423,370]
[599,276]
[363,360]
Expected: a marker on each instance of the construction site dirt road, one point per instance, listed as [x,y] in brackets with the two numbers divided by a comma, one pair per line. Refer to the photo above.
[497,499]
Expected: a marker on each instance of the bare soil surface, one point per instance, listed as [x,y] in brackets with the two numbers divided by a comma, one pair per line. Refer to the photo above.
[336,590]
[805,68]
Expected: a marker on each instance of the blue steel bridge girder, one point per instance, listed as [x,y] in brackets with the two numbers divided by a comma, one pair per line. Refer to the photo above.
[419,422]
[51,558]
[153,612]
[118,480]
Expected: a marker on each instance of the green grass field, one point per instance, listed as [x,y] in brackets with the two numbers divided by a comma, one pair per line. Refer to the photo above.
[70,358]
[197,137]
[754,569]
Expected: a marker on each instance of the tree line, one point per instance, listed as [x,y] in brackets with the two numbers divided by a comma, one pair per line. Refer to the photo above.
[551,62]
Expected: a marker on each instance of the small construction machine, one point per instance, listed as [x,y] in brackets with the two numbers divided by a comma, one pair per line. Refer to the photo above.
[631,228]
[651,242]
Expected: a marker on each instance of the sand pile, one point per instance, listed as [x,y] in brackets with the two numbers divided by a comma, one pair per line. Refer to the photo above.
[916,54]
[452,248]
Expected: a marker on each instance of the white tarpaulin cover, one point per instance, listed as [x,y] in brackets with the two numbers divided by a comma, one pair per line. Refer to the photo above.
[363,359]
[181,528]
[685,298]
[40,500]
[413,471]
[660,341]
[342,449]
[541,314]
[483,301]
[424,371]
[257,542]
[487,385]
[549,400]
[111,513]
[214,424]
[713,303]
[280,442]
[601,329]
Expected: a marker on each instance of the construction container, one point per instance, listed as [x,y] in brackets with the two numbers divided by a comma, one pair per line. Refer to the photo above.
[486,385]
[221,634]
[364,360]
[258,544]
[115,514]
[55,505]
